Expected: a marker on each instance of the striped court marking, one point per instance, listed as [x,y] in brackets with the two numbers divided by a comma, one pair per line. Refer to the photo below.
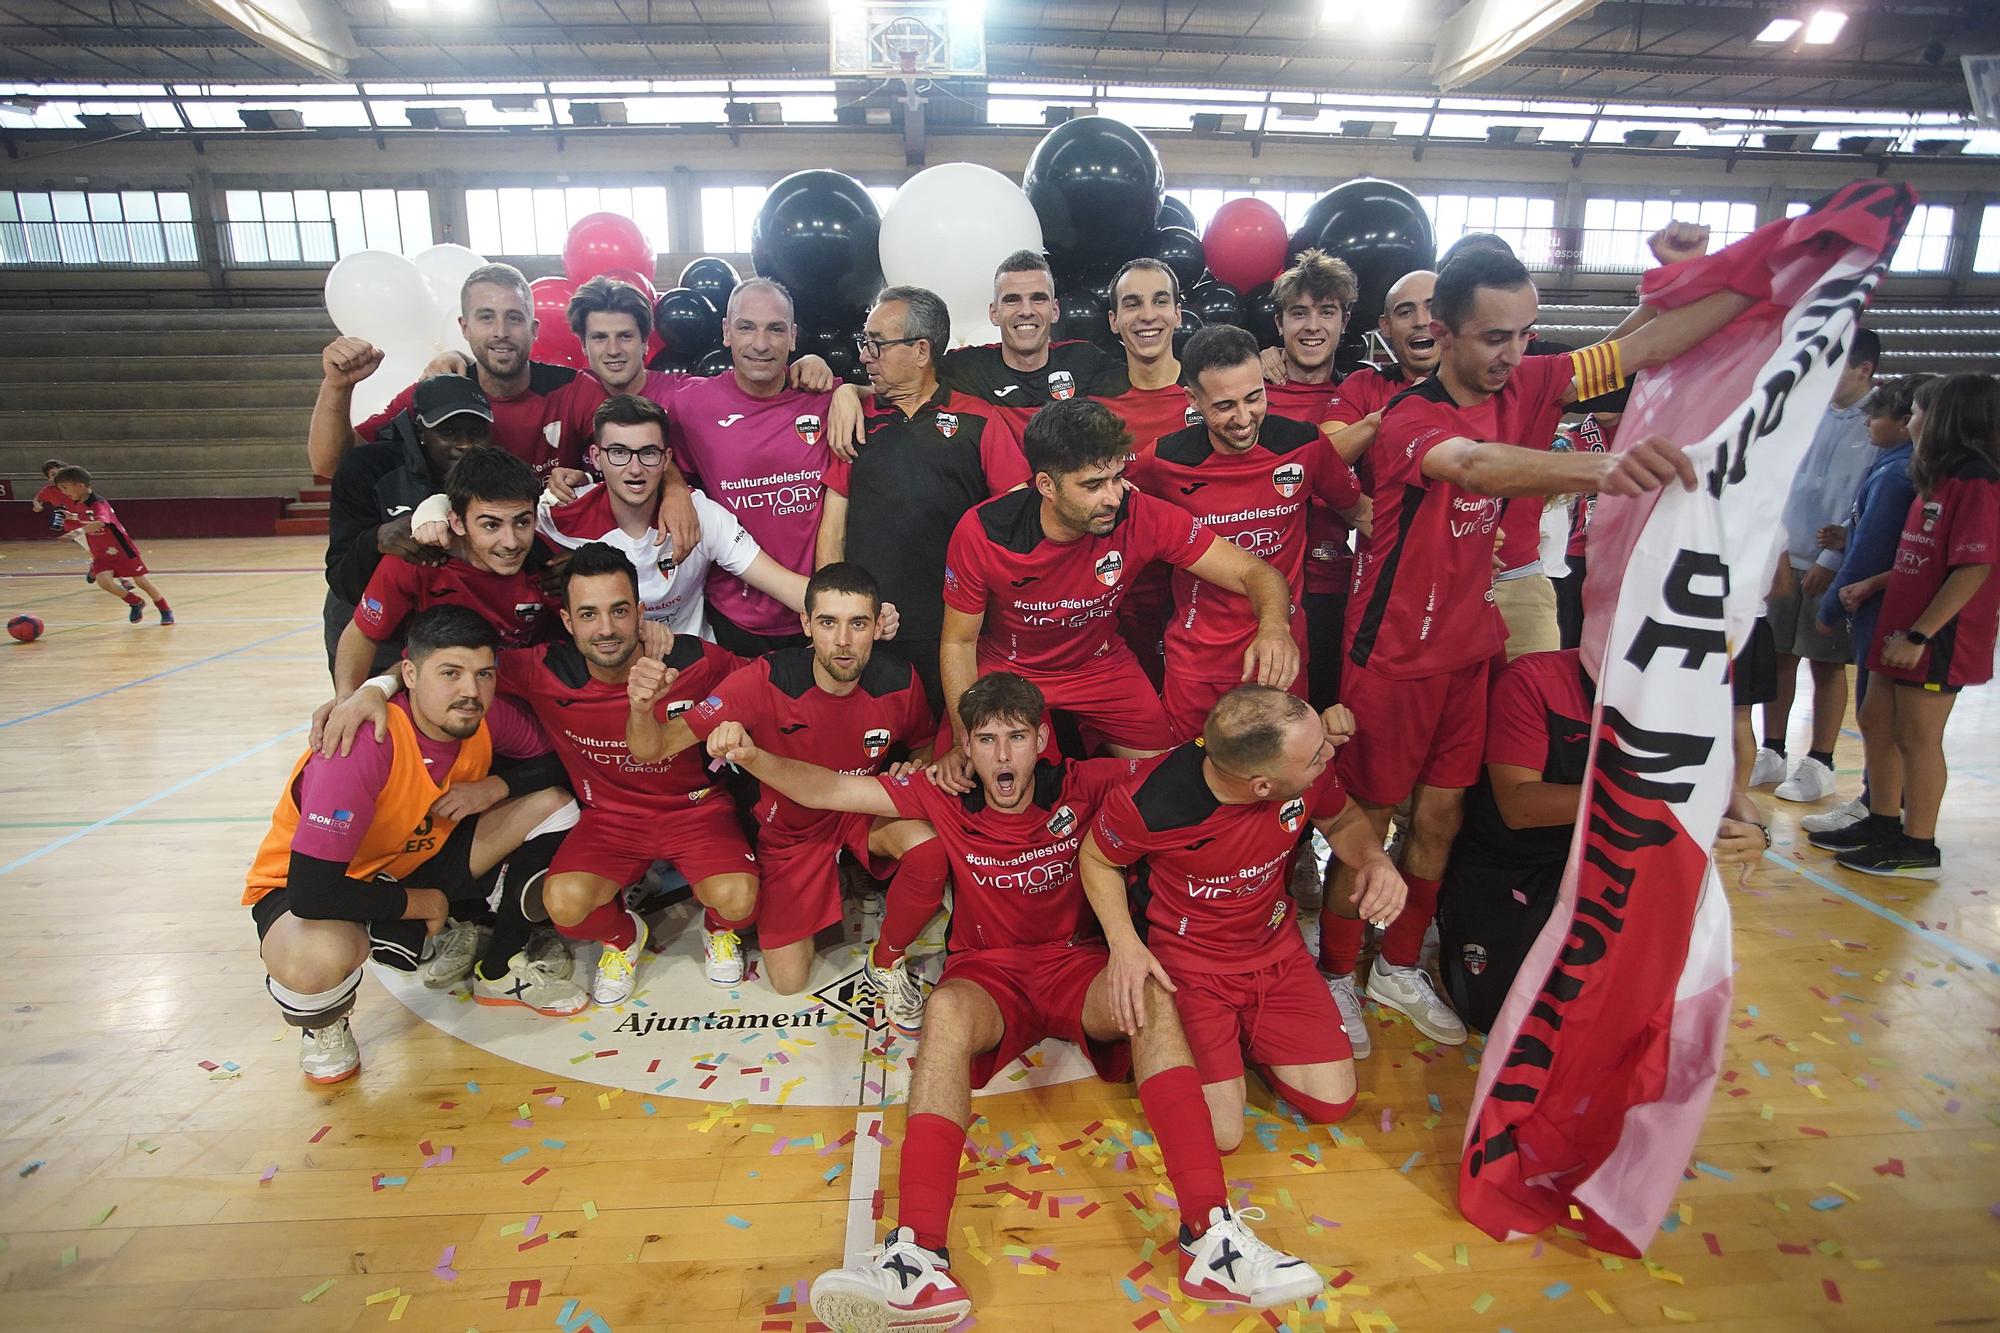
[158,675]
[862,1182]
[150,801]
[1960,953]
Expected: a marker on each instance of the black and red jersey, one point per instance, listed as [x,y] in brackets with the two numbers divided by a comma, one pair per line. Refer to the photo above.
[1072,370]
[1958,523]
[514,604]
[1329,562]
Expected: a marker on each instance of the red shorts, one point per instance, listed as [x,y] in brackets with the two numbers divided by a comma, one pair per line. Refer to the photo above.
[1040,990]
[1196,680]
[119,567]
[701,841]
[1282,1013]
[1428,732]
[799,887]
[1109,696]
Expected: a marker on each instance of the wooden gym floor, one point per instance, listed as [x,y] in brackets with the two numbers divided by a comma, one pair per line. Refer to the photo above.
[165,1167]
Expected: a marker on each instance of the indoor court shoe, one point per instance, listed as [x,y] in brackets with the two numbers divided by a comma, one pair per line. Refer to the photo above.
[1839,817]
[532,985]
[722,950]
[1228,1263]
[453,951]
[1411,991]
[1900,856]
[618,969]
[1768,768]
[1810,781]
[900,1284]
[135,613]
[1355,1023]
[167,616]
[549,950]
[1867,831]
[329,1054]
[901,994]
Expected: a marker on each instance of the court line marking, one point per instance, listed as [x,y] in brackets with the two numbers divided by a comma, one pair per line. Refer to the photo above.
[73,574]
[1961,953]
[142,823]
[150,801]
[158,675]
[862,1182]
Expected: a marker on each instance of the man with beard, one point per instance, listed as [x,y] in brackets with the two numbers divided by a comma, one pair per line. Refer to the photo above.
[1025,961]
[834,703]
[368,851]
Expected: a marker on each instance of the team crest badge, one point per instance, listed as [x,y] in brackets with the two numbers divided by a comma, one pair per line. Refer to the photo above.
[1191,417]
[526,612]
[1474,958]
[875,740]
[677,707]
[947,424]
[1062,385]
[1288,477]
[1933,510]
[1292,814]
[1109,568]
[1062,821]
[808,426]
[666,560]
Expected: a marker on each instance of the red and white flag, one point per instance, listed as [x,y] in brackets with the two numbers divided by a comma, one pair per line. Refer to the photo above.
[1598,1073]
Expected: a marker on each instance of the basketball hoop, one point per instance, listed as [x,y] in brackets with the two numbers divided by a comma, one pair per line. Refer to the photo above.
[933,39]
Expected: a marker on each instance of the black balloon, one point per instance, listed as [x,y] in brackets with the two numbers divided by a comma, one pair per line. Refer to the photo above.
[1083,316]
[669,362]
[1180,250]
[712,277]
[1174,213]
[1260,315]
[1096,184]
[819,233]
[1191,324]
[714,363]
[1379,228]
[834,345]
[1216,303]
[689,324]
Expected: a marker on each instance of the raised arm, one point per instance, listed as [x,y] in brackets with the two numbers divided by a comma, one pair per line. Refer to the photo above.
[648,739]
[810,785]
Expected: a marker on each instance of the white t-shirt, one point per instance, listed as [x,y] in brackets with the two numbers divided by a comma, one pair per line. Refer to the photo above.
[672,593]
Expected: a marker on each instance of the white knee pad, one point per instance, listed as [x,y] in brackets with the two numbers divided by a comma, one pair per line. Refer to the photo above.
[564,818]
[315,1011]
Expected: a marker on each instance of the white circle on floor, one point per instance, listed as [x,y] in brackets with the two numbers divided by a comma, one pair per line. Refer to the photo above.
[680,1036]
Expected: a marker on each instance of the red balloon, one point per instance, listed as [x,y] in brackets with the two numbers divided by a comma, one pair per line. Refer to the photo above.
[633,278]
[554,343]
[1245,243]
[605,241]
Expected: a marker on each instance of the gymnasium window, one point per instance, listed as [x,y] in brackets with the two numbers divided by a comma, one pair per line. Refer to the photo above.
[80,229]
[1615,230]
[536,220]
[1986,259]
[1525,222]
[320,226]
[1926,244]
[1291,204]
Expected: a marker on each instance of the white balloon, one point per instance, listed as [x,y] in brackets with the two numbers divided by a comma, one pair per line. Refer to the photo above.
[445,268]
[398,371]
[382,297]
[947,229]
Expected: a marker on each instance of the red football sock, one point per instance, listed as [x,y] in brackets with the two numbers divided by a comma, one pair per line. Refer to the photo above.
[915,893]
[609,923]
[1403,941]
[1339,944]
[928,1180]
[1178,1114]
[160,602]
[715,921]
[134,599]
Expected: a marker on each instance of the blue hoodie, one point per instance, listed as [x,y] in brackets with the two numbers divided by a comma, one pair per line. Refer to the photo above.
[1873,531]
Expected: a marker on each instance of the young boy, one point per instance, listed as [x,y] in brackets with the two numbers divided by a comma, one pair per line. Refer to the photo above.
[113,554]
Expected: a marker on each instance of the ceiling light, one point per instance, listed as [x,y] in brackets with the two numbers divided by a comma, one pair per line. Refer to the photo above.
[1513,133]
[1368,129]
[1824,27]
[1779,30]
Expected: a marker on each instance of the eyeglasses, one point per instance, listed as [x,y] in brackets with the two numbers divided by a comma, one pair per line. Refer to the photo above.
[869,345]
[618,455]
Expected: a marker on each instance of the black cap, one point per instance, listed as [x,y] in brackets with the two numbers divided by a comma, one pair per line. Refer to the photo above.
[442,397]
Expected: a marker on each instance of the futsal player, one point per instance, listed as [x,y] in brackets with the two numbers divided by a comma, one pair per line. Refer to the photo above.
[114,556]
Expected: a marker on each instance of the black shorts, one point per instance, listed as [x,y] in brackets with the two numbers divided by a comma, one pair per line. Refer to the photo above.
[1485,931]
[1753,676]
[448,870]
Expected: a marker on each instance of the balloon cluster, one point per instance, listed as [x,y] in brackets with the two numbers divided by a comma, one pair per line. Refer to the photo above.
[819,234]
[408,307]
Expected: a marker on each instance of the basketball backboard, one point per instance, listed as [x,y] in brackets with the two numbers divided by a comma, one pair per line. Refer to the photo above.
[936,39]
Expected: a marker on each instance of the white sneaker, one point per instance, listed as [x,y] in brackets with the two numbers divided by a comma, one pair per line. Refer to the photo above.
[532,985]
[1230,1264]
[724,951]
[1767,768]
[329,1054]
[453,952]
[899,1284]
[1810,781]
[549,950]
[901,994]
[1355,1023]
[1411,991]
[617,969]
[1832,821]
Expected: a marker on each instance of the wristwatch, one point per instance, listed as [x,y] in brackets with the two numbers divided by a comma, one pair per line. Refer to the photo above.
[1916,636]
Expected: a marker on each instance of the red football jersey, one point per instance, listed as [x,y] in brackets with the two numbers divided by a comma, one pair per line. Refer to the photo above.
[1958,523]
[1211,877]
[111,542]
[1149,413]
[1073,368]
[1052,607]
[786,712]
[1329,563]
[585,719]
[547,425]
[514,604]
[1257,500]
[1362,392]
[1014,875]
[1423,582]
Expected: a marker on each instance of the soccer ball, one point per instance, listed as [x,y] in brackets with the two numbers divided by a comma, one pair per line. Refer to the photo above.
[26,629]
